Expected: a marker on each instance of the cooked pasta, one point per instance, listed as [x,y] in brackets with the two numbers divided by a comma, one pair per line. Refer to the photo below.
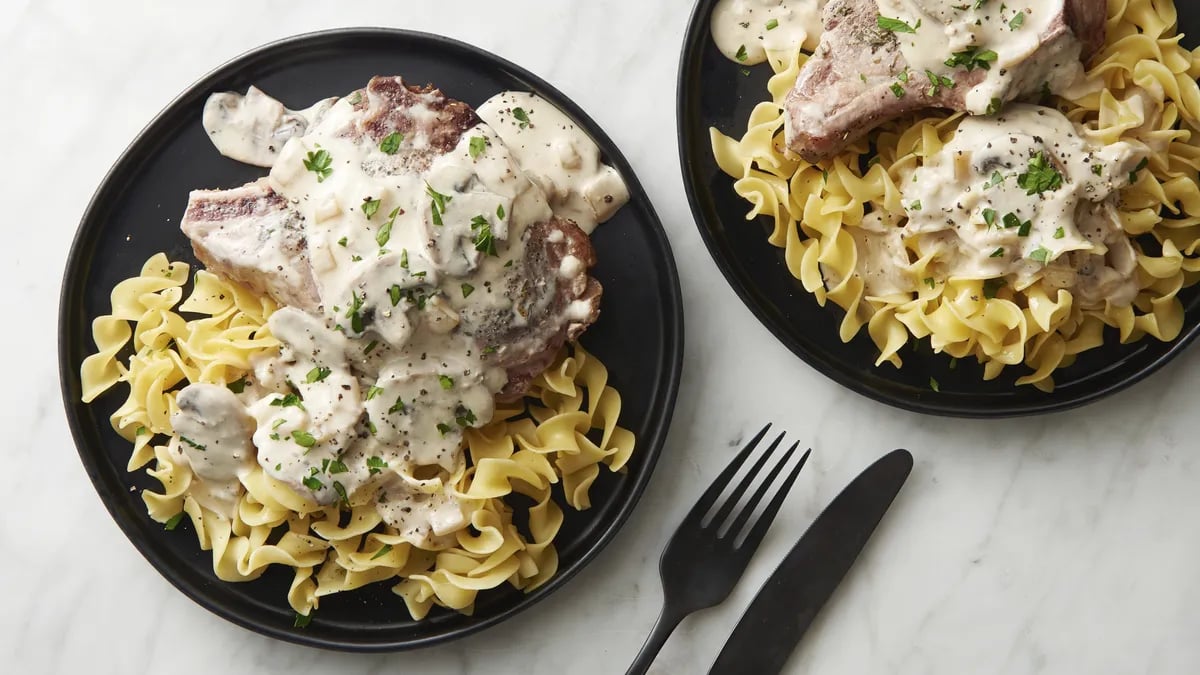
[563,433]
[1142,90]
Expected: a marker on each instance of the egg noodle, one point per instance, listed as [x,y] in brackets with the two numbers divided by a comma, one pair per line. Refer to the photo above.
[330,548]
[1142,88]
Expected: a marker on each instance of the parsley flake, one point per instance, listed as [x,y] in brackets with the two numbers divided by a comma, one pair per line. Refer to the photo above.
[320,163]
[391,143]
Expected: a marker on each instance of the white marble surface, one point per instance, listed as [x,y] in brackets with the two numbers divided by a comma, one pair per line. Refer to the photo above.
[1064,544]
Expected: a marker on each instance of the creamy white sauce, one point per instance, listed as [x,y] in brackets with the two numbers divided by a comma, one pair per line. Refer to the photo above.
[558,156]
[380,384]
[214,440]
[1003,38]
[254,128]
[745,29]
[973,199]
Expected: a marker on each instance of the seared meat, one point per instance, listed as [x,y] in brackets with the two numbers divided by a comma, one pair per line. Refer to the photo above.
[859,78]
[251,235]
[552,248]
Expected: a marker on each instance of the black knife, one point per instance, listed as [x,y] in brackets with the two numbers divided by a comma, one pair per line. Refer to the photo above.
[787,604]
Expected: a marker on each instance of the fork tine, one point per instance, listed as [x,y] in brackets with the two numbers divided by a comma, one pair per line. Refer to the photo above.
[718,485]
[755,536]
[731,502]
[739,522]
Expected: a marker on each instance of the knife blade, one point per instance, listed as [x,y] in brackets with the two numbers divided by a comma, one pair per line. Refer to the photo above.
[788,602]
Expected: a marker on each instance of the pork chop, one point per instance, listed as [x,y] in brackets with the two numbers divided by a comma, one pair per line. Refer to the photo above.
[859,77]
[247,233]
[252,235]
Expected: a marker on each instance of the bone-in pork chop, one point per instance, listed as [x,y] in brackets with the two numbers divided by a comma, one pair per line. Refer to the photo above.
[871,68]
[405,134]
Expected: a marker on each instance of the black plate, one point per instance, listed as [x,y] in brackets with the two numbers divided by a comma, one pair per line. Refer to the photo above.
[135,213]
[714,92]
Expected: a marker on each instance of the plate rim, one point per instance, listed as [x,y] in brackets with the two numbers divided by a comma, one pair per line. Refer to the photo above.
[660,412]
[694,42]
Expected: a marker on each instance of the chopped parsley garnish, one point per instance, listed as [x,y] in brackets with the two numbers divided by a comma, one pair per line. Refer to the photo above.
[933,384]
[1060,233]
[989,217]
[313,483]
[972,58]
[303,439]
[897,90]
[484,242]
[386,549]
[998,253]
[896,25]
[1041,176]
[500,211]
[398,406]
[996,179]
[994,106]
[237,386]
[444,428]
[342,241]
[317,374]
[385,232]
[370,346]
[320,163]
[938,82]
[1017,21]
[523,117]
[439,204]
[467,290]
[373,392]
[391,143]
[370,207]
[1133,175]
[336,466]
[341,492]
[741,55]
[354,313]
[302,620]
[476,147]
[929,281]
[394,294]
[404,259]
[278,423]
[371,426]
[356,98]
[915,206]
[446,381]
[991,287]
[375,465]
[141,430]
[174,521]
[465,418]
[773,24]
[192,443]
[1041,254]
[1097,169]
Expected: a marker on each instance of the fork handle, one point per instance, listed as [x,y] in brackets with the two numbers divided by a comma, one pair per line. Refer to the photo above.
[666,624]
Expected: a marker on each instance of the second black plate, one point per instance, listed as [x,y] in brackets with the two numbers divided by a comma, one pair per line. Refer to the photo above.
[135,213]
[715,92]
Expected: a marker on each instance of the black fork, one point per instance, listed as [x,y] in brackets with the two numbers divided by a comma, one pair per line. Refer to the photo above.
[706,556]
